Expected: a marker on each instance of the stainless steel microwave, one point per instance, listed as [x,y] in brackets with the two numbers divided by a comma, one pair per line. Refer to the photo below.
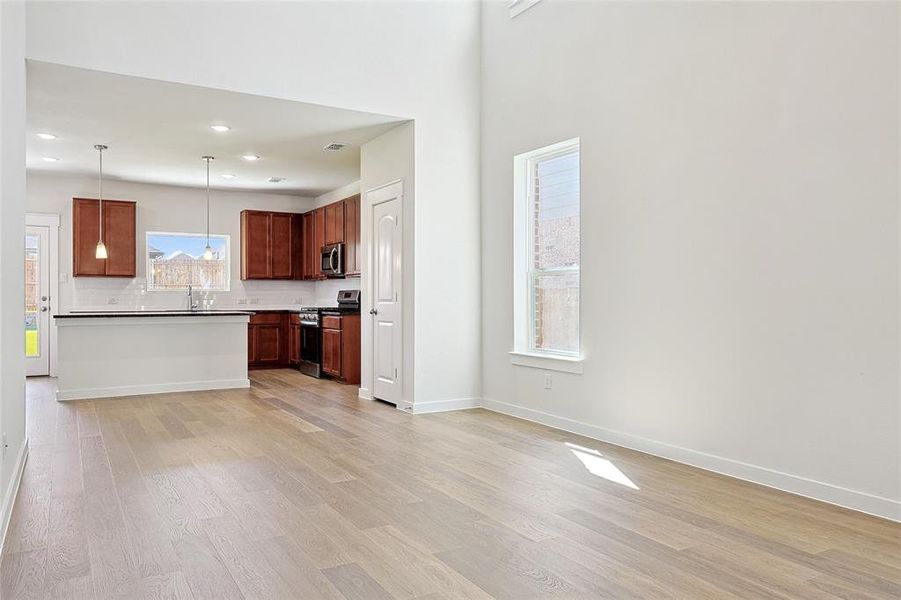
[332,260]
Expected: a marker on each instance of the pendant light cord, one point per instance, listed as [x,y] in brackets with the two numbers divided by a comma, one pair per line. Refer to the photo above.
[208,201]
[100,193]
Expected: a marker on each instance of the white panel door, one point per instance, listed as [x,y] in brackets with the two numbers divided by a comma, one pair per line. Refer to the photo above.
[387,351]
[37,300]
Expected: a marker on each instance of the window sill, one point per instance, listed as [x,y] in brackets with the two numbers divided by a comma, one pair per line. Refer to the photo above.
[565,364]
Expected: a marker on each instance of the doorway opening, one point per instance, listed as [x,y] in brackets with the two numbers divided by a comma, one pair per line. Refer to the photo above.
[41,278]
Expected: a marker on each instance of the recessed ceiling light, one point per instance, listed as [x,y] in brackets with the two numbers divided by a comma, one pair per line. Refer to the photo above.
[46,136]
[275,179]
[228,176]
[220,128]
[49,159]
[250,157]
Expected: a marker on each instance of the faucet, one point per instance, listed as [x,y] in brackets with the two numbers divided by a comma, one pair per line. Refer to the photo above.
[192,305]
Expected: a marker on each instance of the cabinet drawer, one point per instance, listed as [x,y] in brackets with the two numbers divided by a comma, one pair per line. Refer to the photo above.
[331,322]
[265,318]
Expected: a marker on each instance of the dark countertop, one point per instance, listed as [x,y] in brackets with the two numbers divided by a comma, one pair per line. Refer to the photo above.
[152,313]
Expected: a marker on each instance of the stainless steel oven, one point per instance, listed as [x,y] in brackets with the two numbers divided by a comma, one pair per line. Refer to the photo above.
[332,260]
[310,343]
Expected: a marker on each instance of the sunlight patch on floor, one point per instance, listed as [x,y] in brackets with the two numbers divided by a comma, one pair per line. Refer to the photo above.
[597,465]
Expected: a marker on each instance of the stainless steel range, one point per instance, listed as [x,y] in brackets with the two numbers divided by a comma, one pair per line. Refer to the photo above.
[311,329]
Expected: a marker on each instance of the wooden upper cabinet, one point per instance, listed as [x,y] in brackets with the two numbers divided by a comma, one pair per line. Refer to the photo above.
[307,237]
[255,245]
[352,249]
[119,236]
[334,223]
[267,245]
[282,242]
[318,242]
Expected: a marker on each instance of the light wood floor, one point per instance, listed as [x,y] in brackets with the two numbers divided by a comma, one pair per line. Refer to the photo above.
[296,489]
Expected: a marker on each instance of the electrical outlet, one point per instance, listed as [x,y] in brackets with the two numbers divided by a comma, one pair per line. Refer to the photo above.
[112,301]
[547,381]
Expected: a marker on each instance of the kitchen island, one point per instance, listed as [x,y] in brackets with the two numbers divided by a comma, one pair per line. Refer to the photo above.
[110,354]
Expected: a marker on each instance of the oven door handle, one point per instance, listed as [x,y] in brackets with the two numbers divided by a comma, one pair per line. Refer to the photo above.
[331,259]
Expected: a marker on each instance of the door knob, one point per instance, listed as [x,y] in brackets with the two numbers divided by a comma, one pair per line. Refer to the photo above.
[373,311]
[43,309]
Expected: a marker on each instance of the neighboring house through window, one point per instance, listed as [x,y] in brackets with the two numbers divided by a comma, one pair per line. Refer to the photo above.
[175,261]
[547,259]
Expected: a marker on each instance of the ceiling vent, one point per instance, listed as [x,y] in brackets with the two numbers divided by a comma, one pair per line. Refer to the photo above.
[334,146]
[275,179]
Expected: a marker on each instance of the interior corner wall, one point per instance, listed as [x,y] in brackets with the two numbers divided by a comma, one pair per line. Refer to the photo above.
[417,60]
[740,223]
[386,159]
[12,250]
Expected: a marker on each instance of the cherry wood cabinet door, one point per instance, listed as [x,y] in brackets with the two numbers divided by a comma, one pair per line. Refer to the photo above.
[331,352]
[282,246]
[352,249]
[294,344]
[119,237]
[255,245]
[268,344]
[85,233]
[309,255]
[297,246]
[318,242]
[334,223]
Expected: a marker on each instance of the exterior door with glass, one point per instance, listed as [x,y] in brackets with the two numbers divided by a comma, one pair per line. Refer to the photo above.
[37,300]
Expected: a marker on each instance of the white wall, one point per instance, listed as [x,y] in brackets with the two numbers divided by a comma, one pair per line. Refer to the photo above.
[12,251]
[740,231]
[345,191]
[416,60]
[386,159]
[163,208]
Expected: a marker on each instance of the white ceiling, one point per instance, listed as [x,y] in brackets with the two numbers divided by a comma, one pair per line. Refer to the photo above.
[158,131]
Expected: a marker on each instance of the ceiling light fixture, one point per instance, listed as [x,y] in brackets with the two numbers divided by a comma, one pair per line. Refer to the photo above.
[334,146]
[101,247]
[228,176]
[46,136]
[220,128]
[208,251]
[251,157]
[49,159]
[275,179]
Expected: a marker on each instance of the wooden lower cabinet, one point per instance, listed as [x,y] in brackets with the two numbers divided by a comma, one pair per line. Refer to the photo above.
[267,343]
[294,340]
[341,347]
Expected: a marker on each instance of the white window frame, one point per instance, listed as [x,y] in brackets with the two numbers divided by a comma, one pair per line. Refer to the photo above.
[228,259]
[524,353]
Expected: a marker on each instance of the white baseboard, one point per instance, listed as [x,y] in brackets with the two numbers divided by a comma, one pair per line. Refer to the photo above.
[154,388]
[817,490]
[9,497]
[364,394]
[421,408]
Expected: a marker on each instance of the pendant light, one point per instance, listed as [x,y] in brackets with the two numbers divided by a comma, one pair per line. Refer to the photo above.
[208,251]
[101,247]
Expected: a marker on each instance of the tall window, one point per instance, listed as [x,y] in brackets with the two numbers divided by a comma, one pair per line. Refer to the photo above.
[547,251]
[175,261]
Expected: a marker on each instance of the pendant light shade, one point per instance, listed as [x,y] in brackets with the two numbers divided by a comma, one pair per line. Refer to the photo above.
[101,252]
[208,251]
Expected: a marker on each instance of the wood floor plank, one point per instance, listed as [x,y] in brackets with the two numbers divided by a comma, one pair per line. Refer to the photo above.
[296,488]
